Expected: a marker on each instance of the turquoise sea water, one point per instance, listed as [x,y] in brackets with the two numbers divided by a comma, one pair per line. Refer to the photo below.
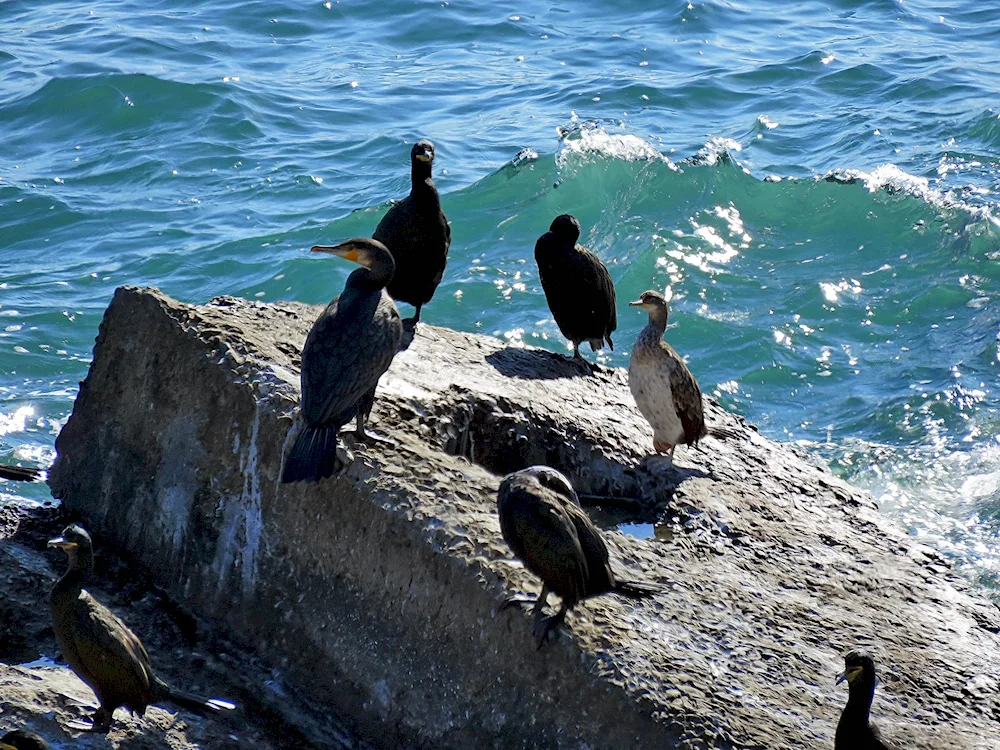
[816,182]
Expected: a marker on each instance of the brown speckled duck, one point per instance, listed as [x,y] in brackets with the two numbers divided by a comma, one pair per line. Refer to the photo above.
[663,387]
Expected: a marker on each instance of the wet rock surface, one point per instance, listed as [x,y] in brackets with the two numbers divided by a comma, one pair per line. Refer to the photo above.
[371,595]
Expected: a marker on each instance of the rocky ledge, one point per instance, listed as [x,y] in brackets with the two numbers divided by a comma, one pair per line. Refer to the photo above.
[372,594]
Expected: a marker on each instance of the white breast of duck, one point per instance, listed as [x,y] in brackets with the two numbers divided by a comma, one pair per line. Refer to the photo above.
[649,371]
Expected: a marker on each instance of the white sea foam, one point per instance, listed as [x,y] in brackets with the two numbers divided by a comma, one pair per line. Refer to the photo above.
[714,150]
[891,178]
[591,138]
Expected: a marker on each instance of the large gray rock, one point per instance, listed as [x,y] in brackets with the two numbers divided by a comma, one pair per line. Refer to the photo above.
[373,592]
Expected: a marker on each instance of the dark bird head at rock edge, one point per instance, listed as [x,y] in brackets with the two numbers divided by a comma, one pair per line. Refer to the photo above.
[73,537]
[650,301]
[553,480]
[422,151]
[566,226]
[859,667]
[364,251]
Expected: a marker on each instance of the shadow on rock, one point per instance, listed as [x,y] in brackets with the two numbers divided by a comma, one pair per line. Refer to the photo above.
[536,364]
[659,466]
[409,333]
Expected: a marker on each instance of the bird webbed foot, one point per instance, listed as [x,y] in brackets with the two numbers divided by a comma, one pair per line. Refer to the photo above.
[344,457]
[100,722]
[545,626]
[515,601]
[582,363]
[372,438]
[410,324]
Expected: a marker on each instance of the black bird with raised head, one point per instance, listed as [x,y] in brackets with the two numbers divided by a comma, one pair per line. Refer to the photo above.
[417,234]
[854,730]
[350,345]
[543,524]
[20,739]
[101,649]
[577,286]
[663,387]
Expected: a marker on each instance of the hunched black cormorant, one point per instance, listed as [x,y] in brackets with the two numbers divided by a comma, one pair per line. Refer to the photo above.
[543,524]
[20,739]
[663,387]
[577,286]
[417,234]
[350,345]
[854,732]
[101,649]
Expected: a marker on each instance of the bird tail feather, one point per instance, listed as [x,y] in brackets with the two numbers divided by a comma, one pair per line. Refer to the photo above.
[637,589]
[165,692]
[313,456]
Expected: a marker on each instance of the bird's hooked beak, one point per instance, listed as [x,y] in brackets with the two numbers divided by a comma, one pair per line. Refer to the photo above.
[347,250]
[424,156]
[849,674]
[61,542]
[638,303]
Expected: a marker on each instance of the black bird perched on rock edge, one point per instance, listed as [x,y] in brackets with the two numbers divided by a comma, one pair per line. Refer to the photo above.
[543,524]
[417,234]
[20,739]
[854,732]
[577,286]
[350,345]
[101,649]
[663,387]
[19,473]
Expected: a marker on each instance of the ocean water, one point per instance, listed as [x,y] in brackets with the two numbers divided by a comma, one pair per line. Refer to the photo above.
[816,183]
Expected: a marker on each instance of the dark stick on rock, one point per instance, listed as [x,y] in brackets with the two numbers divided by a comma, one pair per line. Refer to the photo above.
[19,473]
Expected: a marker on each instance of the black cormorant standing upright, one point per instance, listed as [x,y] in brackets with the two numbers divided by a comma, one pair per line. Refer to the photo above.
[350,345]
[417,234]
[854,732]
[577,286]
[101,649]
[543,524]
[662,385]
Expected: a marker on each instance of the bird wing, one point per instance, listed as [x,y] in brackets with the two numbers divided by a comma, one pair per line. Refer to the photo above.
[598,293]
[687,396]
[346,352]
[595,551]
[394,221]
[880,742]
[546,252]
[541,534]
[415,231]
[110,652]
